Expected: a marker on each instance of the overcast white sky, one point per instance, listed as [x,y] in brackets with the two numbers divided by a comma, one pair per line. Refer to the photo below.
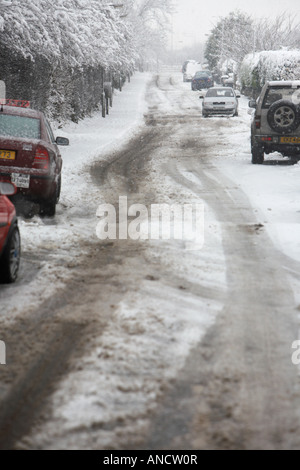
[195,18]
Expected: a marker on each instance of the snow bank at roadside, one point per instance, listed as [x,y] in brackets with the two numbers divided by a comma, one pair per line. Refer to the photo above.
[272,188]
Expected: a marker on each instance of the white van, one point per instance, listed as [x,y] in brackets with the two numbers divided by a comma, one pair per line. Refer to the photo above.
[191,68]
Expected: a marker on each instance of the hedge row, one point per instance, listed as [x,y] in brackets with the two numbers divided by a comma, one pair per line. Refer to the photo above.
[256,69]
[58,54]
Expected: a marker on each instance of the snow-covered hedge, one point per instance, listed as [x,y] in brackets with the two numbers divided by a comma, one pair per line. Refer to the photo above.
[77,32]
[258,68]
[55,53]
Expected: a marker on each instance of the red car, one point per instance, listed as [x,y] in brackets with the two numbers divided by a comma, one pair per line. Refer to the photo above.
[29,155]
[9,235]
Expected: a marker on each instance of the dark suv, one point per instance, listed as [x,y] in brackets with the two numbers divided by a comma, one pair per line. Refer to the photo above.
[275,125]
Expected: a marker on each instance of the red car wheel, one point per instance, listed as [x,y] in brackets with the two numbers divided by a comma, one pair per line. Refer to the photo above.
[10,259]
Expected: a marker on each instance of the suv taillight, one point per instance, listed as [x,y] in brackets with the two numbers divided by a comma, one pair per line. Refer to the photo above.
[257,122]
[41,158]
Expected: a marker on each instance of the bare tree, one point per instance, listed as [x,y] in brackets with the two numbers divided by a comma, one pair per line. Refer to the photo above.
[273,35]
[150,22]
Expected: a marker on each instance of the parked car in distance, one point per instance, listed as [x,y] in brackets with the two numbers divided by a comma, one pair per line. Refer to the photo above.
[227,80]
[29,155]
[220,100]
[202,79]
[10,246]
[191,68]
[275,125]
[186,62]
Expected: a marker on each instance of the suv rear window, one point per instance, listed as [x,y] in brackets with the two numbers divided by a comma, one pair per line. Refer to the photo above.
[19,126]
[281,93]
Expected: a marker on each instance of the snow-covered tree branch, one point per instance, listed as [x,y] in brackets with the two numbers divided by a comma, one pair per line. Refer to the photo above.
[150,22]
[57,54]
[238,34]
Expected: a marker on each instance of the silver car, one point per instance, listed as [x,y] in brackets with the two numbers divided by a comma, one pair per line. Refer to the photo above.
[220,100]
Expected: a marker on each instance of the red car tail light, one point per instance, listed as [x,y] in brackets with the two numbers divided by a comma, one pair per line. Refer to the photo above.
[15,103]
[257,122]
[41,159]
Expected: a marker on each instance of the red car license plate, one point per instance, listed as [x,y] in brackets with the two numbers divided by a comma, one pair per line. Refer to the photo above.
[20,180]
[7,154]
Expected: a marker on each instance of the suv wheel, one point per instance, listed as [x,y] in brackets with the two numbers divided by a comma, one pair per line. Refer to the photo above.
[283,116]
[295,159]
[257,154]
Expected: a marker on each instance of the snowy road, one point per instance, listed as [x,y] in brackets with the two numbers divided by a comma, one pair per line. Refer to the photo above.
[151,344]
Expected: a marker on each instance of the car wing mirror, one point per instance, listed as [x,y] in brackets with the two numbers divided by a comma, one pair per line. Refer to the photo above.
[62,141]
[252,104]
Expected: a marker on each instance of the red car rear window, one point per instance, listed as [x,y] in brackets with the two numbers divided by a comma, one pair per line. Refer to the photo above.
[19,126]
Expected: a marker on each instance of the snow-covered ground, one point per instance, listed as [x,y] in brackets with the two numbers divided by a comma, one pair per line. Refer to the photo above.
[272,189]
[274,194]
[75,219]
